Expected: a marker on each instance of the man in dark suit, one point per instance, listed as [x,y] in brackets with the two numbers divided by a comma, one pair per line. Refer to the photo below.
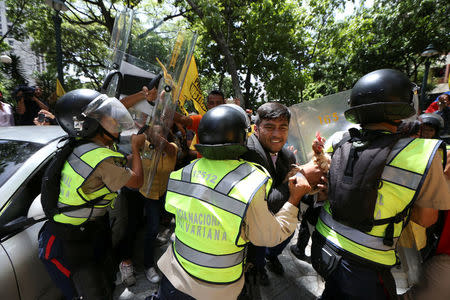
[266,147]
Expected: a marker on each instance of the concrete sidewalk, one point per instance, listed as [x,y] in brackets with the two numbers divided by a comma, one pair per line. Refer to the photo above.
[299,281]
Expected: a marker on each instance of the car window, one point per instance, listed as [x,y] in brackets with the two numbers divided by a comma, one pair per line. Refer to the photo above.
[12,155]
[19,204]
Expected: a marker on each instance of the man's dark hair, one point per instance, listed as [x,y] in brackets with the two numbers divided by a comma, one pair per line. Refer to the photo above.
[272,111]
[216,92]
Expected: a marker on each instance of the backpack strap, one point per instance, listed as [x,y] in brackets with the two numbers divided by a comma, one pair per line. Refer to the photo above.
[345,138]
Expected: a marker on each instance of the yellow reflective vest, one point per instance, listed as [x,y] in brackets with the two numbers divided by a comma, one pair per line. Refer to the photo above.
[403,175]
[209,199]
[78,167]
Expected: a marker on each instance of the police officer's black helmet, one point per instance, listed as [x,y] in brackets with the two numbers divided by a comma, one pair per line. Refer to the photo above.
[382,95]
[69,113]
[434,120]
[222,132]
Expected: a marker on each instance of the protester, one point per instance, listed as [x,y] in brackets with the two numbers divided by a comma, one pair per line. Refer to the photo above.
[191,122]
[75,245]
[266,148]
[399,178]
[298,249]
[434,106]
[219,205]
[28,105]
[444,112]
[6,113]
[151,201]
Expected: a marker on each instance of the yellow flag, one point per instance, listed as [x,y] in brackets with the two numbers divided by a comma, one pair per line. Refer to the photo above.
[59,89]
[191,90]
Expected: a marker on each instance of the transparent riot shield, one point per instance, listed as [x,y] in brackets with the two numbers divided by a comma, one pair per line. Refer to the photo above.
[118,45]
[324,115]
[134,50]
[142,54]
[169,90]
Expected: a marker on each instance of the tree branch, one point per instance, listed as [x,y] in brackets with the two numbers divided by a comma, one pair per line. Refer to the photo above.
[10,28]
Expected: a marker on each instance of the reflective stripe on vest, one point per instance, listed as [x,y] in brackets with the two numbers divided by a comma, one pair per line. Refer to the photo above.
[406,168]
[208,260]
[352,234]
[209,199]
[78,167]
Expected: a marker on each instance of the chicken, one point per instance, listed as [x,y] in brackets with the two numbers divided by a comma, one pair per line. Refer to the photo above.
[320,158]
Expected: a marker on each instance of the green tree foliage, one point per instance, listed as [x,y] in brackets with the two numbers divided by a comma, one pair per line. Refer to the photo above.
[260,50]
[390,34]
[258,43]
[14,76]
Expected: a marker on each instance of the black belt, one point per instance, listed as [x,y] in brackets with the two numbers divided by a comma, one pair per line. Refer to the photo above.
[87,230]
[354,259]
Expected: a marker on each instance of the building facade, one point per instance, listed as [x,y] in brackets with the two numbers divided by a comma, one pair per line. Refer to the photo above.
[31,61]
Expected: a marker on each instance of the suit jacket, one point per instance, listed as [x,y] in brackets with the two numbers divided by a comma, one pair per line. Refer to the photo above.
[279,193]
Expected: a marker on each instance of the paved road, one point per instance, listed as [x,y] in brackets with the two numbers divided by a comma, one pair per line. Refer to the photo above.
[300,281]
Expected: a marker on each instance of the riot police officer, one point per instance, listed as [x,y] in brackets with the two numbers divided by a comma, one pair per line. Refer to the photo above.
[219,205]
[430,126]
[74,244]
[378,181]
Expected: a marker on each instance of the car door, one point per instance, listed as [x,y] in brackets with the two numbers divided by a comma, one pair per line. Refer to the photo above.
[8,283]
[23,275]
[33,281]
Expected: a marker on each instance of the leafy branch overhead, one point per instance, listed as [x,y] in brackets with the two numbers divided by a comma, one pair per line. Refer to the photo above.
[257,50]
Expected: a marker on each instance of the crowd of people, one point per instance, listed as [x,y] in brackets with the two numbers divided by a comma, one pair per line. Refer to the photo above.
[233,189]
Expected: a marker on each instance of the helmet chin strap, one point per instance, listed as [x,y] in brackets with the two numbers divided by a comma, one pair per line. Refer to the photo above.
[105,132]
[394,123]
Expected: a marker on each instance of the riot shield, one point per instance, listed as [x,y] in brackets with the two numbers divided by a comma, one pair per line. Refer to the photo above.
[138,56]
[324,115]
[169,90]
[133,52]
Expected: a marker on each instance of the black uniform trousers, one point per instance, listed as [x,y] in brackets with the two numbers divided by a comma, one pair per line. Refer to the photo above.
[78,258]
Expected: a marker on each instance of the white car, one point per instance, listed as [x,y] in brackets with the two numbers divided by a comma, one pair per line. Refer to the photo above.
[25,151]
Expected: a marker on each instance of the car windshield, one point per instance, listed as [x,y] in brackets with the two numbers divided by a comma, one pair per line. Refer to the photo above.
[12,156]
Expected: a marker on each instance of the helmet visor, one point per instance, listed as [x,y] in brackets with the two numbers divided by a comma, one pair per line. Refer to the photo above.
[110,113]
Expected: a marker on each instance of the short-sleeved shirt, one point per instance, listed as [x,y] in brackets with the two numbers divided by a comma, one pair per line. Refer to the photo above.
[195,122]
[166,165]
[109,172]
[435,192]
[194,127]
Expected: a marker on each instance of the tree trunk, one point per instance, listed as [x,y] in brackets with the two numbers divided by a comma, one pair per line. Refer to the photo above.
[231,66]
[221,81]
[247,85]
[219,37]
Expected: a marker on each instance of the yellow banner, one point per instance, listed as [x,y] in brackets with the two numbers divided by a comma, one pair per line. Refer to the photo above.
[59,89]
[191,90]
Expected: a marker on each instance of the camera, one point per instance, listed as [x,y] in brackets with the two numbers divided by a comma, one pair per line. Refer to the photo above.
[41,118]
